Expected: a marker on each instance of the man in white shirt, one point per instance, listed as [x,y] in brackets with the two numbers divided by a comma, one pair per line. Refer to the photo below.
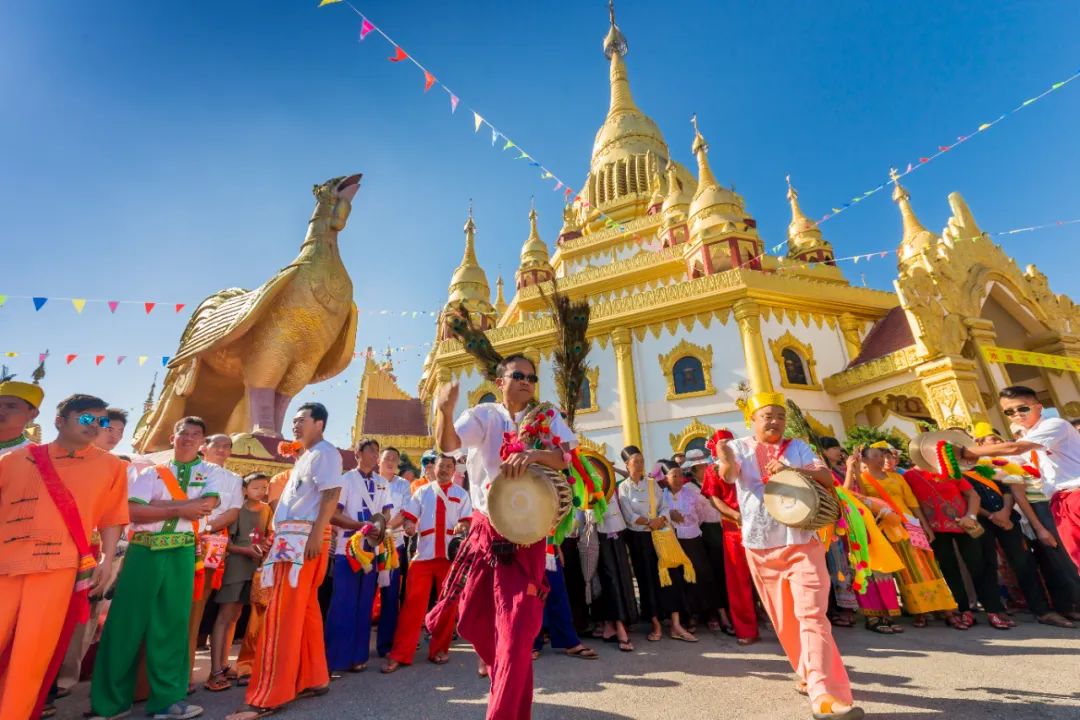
[364,493]
[1052,446]
[291,658]
[788,564]
[433,514]
[153,597]
[502,601]
[390,597]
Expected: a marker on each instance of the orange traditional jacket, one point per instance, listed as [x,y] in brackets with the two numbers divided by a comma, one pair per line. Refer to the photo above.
[33,536]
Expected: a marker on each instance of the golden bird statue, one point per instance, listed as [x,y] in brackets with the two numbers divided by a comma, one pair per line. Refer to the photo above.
[245,354]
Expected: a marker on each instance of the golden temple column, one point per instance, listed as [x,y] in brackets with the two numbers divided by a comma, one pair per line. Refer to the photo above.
[953,392]
[982,334]
[624,365]
[748,315]
[849,329]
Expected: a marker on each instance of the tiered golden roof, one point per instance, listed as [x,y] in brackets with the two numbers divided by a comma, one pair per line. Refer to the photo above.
[535,264]
[469,283]
[713,204]
[917,239]
[804,236]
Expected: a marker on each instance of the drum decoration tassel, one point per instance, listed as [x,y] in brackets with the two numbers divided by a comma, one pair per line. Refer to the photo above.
[852,525]
[946,455]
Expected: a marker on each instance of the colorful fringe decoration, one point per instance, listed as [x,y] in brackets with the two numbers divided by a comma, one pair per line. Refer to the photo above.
[946,457]
[852,525]
[588,492]
[358,556]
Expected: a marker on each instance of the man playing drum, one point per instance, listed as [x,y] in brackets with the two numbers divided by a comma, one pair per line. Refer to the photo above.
[502,602]
[788,564]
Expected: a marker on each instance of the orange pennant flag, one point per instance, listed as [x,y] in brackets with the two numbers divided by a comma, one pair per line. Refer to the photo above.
[429,80]
[399,55]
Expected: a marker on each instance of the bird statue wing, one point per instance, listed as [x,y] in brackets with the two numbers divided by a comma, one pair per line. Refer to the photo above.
[340,354]
[212,326]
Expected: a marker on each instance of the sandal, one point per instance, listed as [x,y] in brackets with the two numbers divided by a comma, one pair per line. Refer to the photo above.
[313,692]
[217,682]
[358,668]
[1056,620]
[956,621]
[842,621]
[896,629]
[969,618]
[243,680]
[919,621]
[440,659]
[654,636]
[998,621]
[585,653]
[251,712]
[536,654]
[825,710]
[878,625]
[626,646]
[391,666]
[684,636]
[748,641]
[802,688]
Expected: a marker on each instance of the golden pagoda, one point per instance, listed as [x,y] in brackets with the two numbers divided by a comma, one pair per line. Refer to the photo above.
[689,308]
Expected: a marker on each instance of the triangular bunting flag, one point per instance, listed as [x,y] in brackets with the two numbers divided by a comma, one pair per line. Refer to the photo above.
[113,305]
[924,159]
[71,358]
[328,2]
[78,304]
[365,28]
[98,359]
[142,359]
[453,103]
[944,148]
[568,192]
[3,299]
[909,167]
[11,354]
[509,144]
[983,127]
[179,307]
[164,360]
[120,359]
[558,185]
[149,307]
[477,121]
[39,302]
[429,80]
[399,55]
[1028,102]
[494,136]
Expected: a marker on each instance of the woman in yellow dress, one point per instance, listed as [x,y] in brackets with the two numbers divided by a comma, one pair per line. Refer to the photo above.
[922,586]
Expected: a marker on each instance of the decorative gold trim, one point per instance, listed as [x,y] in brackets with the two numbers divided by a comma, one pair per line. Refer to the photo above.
[872,371]
[696,429]
[704,355]
[787,341]
[820,428]
[483,389]
[592,446]
[593,376]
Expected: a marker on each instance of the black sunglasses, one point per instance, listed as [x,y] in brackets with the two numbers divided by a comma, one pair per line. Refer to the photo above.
[519,376]
[1023,409]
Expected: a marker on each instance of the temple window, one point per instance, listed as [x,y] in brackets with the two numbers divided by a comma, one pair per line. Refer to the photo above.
[697,443]
[587,402]
[487,398]
[484,393]
[795,361]
[688,370]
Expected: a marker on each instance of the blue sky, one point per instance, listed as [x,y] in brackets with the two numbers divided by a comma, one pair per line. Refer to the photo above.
[164,150]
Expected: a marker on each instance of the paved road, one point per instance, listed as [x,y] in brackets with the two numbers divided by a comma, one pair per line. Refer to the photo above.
[1031,672]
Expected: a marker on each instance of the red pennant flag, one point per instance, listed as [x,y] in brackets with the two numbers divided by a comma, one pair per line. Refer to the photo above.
[365,28]
[924,160]
[568,192]
[71,358]
[399,55]
[943,148]
[98,359]
[179,307]
[149,306]
[429,80]
[113,305]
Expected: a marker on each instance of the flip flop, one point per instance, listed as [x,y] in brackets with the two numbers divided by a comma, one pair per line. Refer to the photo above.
[744,642]
[654,636]
[251,712]
[684,636]
[217,682]
[626,646]
[313,692]
[391,666]
[801,688]
[825,711]
[585,653]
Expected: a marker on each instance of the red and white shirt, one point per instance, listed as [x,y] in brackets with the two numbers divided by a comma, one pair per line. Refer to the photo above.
[436,510]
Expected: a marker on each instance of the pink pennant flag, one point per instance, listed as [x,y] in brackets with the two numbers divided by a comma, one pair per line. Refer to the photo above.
[71,358]
[120,359]
[944,148]
[477,121]
[399,55]
[179,307]
[884,253]
[909,168]
[113,304]
[42,356]
[453,103]
[558,185]
[98,359]
[149,307]
[365,28]
[924,159]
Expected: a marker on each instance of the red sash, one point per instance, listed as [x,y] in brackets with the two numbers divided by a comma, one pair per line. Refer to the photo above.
[78,610]
[178,495]
[763,456]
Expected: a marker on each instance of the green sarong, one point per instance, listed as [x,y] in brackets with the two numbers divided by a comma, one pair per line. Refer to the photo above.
[150,606]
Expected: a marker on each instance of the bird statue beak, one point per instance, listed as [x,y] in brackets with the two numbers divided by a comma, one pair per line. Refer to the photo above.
[348,187]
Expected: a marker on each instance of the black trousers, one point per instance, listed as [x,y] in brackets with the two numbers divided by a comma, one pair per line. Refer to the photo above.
[646,572]
[1057,568]
[982,567]
[575,584]
[1019,557]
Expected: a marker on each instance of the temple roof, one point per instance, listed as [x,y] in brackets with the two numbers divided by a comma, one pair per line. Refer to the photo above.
[889,334]
[394,417]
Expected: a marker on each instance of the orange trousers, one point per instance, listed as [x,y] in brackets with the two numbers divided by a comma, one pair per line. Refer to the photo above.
[423,574]
[794,587]
[32,612]
[291,653]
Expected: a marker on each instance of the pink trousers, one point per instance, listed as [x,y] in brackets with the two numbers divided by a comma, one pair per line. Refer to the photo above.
[502,608]
[794,587]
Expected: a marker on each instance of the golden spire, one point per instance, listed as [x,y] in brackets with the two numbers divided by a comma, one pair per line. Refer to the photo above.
[535,263]
[804,235]
[500,301]
[148,403]
[917,239]
[469,282]
[700,148]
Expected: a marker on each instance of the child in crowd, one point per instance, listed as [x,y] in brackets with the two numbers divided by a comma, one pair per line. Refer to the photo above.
[248,542]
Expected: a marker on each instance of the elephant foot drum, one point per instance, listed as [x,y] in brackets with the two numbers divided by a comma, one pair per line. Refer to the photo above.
[797,500]
[524,509]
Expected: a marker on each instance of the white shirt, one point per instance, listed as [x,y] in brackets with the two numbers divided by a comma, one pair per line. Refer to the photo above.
[360,499]
[634,502]
[692,505]
[1059,462]
[481,431]
[612,523]
[400,492]
[436,510]
[317,470]
[205,480]
[759,530]
[231,493]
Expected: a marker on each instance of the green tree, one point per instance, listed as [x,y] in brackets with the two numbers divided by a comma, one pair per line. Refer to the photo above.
[866,435]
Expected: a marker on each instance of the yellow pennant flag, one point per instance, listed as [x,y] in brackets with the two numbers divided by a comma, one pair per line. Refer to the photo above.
[983,126]
[78,304]
[477,121]
[142,359]
[12,354]
[328,2]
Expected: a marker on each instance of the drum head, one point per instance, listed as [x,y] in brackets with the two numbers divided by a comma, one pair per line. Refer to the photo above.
[523,509]
[923,448]
[790,498]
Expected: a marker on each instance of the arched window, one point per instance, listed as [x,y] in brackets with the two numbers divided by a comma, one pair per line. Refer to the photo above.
[584,397]
[688,375]
[487,398]
[697,443]
[794,367]
[587,401]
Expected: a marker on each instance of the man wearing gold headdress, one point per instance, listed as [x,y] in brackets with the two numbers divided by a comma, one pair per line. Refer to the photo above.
[19,404]
[788,564]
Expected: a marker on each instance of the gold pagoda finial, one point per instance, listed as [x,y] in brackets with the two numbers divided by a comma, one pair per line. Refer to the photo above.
[615,41]
[799,221]
[469,283]
[804,235]
[500,300]
[917,239]
[700,148]
[148,403]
